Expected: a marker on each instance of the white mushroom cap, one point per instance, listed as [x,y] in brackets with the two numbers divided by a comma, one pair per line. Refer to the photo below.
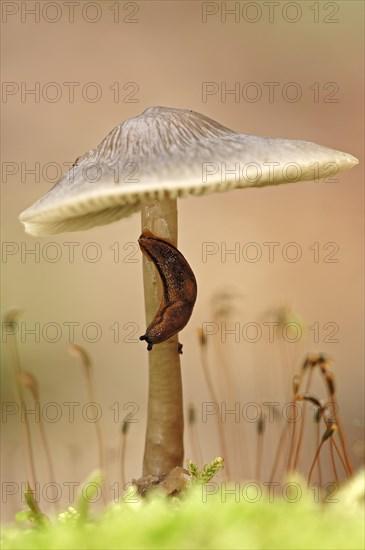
[175,152]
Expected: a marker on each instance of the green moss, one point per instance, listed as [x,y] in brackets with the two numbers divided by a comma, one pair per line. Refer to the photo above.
[201,519]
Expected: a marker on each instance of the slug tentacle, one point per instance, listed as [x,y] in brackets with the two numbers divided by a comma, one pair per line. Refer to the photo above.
[179,288]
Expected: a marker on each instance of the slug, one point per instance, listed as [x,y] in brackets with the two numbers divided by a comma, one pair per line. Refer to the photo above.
[179,289]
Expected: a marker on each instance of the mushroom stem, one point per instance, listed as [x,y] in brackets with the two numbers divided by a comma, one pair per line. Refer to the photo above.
[164,446]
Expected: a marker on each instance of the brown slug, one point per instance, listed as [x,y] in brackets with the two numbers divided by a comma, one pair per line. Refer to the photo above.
[179,289]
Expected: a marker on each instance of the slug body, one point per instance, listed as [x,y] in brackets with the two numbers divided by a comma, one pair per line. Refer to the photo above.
[179,289]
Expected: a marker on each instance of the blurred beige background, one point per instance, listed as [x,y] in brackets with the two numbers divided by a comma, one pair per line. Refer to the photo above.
[138,54]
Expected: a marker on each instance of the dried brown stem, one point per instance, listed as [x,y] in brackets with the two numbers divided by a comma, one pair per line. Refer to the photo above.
[79,352]
[29,380]
[302,424]
[333,462]
[122,449]
[329,382]
[320,481]
[214,398]
[278,452]
[314,461]
[193,437]
[11,319]
[259,447]
[341,433]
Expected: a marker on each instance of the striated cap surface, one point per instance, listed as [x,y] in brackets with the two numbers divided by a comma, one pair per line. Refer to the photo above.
[175,152]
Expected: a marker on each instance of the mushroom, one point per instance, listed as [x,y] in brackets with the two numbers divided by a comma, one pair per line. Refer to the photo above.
[145,164]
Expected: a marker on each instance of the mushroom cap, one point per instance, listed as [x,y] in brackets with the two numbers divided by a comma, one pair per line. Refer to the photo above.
[173,152]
